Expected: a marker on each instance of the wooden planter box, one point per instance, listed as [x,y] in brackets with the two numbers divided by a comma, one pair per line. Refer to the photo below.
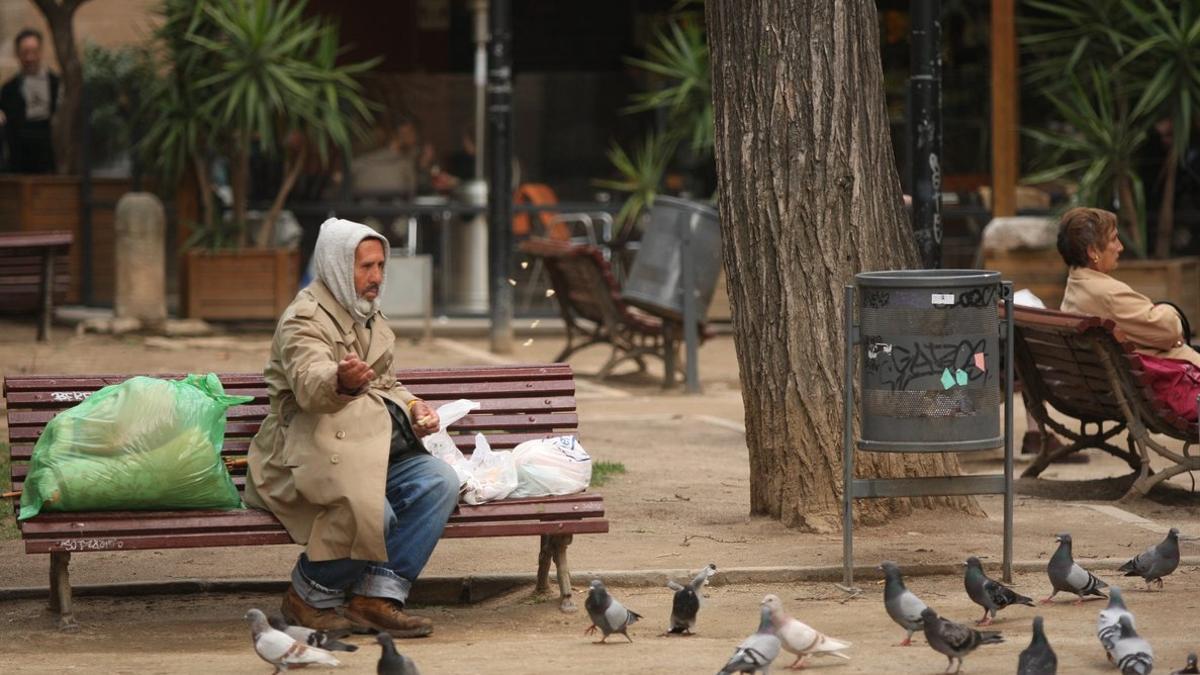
[49,202]
[240,285]
[1042,271]
[1174,279]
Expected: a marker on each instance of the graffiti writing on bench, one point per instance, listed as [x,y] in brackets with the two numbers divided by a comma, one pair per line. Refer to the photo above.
[69,395]
[925,359]
[108,544]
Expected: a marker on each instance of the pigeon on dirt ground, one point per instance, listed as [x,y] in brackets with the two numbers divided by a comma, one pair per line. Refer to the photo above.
[686,603]
[988,593]
[1038,658]
[1132,653]
[1108,626]
[392,662]
[1190,667]
[799,638]
[954,640]
[327,640]
[756,652]
[607,615]
[1155,562]
[281,650]
[901,604]
[1066,575]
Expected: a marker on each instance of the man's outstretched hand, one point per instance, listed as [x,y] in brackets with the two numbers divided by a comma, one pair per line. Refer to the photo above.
[425,419]
[353,374]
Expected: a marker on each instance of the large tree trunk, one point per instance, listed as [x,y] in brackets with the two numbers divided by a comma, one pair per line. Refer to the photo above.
[60,14]
[809,195]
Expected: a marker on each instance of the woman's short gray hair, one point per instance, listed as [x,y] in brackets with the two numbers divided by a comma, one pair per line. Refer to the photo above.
[1081,228]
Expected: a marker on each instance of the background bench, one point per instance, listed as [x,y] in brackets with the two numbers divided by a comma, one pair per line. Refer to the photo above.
[518,403]
[1085,368]
[33,272]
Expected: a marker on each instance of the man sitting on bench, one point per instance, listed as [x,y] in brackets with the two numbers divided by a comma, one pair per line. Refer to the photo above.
[337,459]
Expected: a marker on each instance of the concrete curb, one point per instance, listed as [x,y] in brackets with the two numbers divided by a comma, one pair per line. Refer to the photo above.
[472,589]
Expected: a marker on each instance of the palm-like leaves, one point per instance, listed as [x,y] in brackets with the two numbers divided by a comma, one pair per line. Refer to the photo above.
[641,173]
[679,55]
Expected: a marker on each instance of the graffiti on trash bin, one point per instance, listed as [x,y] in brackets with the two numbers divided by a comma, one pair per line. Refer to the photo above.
[899,365]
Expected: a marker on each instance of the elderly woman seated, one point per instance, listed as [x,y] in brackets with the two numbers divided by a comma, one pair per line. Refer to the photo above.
[1088,242]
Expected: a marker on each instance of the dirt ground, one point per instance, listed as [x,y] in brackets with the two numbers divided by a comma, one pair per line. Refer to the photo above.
[683,502]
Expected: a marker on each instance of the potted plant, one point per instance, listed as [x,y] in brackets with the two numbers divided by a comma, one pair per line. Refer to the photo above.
[1110,71]
[237,75]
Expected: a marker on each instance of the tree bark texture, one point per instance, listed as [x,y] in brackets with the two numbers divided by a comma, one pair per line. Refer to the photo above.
[809,195]
[60,15]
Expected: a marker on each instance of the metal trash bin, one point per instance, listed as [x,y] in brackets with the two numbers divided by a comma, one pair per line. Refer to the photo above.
[656,281]
[930,353]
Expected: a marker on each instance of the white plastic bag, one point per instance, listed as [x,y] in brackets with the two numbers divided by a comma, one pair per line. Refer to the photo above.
[551,466]
[493,474]
[440,445]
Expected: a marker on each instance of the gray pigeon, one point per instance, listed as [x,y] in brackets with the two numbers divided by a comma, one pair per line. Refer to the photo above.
[900,603]
[280,649]
[686,603]
[328,640]
[1038,658]
[1108,626]
[756,652]
[1190,667]
[954,640]
[1066,575]
[606,613]
[988,593]
[1155,562]
[1131,653]
[392,662]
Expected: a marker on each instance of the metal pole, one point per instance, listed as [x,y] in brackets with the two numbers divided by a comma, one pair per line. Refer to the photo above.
[847,438]
[691,318]
[925,124]
[1007,288]
[500,212]
[479,10]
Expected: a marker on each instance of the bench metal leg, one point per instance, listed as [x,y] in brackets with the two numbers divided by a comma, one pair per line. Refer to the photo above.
[47,299]
[60,590]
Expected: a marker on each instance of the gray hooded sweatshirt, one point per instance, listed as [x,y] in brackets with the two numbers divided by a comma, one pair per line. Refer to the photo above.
[333,260]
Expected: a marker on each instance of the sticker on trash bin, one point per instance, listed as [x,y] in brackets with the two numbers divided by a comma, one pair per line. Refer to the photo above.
[960,376]
[979,362]
[941,299]
[947,379]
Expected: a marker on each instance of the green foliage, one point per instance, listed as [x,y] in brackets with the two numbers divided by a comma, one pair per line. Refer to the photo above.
[602,471]
[116,79]
[640,173]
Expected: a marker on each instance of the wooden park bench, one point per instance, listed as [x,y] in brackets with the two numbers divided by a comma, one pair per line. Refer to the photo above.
[1084,367]
[589,300]
[33,270]
[519,403]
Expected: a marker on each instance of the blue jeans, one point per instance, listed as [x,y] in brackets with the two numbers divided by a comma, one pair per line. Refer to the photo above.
[421,491]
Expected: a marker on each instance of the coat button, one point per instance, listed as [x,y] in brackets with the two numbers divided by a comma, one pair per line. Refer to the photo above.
[334,459]
[340,435]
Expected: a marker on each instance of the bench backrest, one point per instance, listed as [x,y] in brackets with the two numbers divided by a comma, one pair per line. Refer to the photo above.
[21,259]
[519,403]
[582,280]
[1060,358]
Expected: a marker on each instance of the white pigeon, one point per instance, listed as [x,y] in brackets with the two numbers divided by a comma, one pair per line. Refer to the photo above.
[281,650]
[799,638]
[1108,626]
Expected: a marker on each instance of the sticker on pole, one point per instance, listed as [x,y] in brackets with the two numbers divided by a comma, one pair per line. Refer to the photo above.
[943,299]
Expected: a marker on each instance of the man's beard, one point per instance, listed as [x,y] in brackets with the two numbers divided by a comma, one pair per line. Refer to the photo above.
[364,306]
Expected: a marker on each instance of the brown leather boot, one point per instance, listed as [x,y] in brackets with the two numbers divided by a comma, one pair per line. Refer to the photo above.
[299,613]
[387,616]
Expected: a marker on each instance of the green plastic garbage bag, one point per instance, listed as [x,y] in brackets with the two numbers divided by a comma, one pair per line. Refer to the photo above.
[143,444]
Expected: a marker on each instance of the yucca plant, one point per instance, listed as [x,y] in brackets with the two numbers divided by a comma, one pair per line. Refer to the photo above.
[641,174]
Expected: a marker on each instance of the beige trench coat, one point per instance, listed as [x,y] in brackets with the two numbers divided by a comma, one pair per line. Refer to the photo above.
[1156,330]
[319,461]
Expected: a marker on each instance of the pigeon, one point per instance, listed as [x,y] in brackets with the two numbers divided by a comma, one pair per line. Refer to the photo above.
[606,613]
[1038,658]
[988,593]
[1190,667]
[756,652]
[900,603]
[954,640]
[687,602]
[1131,653]
[1108,627]
[1155,562]
[328,640]
[800,638]
[281,650]
[392,662]
[1066,575]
